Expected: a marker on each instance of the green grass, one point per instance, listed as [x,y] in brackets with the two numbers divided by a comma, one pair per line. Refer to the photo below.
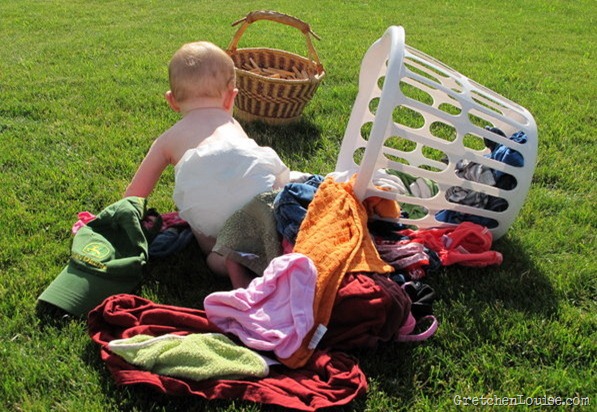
[81,87]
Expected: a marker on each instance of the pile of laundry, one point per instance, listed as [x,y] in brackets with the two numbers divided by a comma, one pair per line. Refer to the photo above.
[420,187]
[331,280]
[476,172]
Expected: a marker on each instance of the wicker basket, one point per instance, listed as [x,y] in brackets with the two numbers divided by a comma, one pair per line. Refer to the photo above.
[262,94]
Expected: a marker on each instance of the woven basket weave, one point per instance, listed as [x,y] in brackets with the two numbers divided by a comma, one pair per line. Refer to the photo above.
[274,100]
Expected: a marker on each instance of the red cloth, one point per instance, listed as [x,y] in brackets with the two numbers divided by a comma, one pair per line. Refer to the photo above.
[328,379]
[369,308]
[466,244]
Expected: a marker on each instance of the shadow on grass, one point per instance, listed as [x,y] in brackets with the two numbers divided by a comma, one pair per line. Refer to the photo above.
[475,303]
[517,284]
[287,140]
[181,279]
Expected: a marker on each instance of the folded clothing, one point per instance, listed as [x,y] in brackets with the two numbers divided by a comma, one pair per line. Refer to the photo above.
[275,311]
[334,235]
[327,379]
[368,309]
[196,356]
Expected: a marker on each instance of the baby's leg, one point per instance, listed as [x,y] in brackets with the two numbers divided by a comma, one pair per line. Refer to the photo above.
[215,262]
[206,243]
[240,276]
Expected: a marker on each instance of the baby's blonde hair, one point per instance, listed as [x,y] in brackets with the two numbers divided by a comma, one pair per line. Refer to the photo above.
[200,69]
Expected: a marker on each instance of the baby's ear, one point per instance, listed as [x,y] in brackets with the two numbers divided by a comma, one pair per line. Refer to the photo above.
[229,98]
[172,101]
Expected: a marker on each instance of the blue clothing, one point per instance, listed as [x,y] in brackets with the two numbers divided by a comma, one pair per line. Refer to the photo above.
[507,155]
[290,206]
[451,216]
[503,180]
[170,241]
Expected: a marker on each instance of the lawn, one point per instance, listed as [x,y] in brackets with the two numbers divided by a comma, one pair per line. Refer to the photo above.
[81,99]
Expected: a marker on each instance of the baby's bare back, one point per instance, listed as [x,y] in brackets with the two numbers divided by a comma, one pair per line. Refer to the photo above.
[199,127]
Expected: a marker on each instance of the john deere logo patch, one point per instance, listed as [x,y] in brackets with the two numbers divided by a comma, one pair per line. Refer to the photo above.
[96,250]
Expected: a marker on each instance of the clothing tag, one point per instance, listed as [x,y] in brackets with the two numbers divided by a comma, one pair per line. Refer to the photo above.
[447,241]
[319,332]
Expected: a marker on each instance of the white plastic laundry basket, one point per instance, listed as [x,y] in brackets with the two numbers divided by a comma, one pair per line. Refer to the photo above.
[417,117]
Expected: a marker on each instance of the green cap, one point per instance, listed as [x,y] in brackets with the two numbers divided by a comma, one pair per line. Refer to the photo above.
[107,258]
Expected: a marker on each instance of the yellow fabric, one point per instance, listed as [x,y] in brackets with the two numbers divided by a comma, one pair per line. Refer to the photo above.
[334,235]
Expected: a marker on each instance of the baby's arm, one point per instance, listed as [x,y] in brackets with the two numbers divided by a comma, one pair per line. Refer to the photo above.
[279,169]
[149,171]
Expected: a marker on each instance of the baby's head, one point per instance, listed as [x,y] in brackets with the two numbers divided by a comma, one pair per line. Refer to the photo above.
[200,70]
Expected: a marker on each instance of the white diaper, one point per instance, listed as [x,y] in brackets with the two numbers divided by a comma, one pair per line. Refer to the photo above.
[216,179]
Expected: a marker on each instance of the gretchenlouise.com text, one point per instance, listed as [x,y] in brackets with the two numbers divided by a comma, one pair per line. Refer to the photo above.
[518,400]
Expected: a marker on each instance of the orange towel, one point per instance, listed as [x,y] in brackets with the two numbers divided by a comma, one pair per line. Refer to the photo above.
[382,207]
[334,235]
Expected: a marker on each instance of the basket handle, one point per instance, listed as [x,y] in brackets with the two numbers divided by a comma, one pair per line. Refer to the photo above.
[278,18]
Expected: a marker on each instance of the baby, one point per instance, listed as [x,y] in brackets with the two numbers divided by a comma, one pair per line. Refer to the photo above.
[218,168]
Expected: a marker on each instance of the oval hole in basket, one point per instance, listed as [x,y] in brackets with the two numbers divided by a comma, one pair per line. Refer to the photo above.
[434,154]
[433,168]
[408,117]
[396,158]
[423,68]
[503,180]
[414,212]
[478,200]
[400,143]
[380,82]
[488,102]
[476,119]
[451,216]
[410,88]
[506,181]
[366,130]
[373,105]
[472,141]
[357,155]
[420,70]
[450,109]
[437,75]
[443,131]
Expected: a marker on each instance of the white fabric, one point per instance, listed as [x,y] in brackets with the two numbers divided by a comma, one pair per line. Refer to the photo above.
[218,178]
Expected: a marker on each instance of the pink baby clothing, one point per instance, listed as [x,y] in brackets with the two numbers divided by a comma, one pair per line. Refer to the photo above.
[84,218]
[275,312]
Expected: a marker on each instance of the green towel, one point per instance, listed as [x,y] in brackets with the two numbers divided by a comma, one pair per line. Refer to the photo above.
[197,356]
